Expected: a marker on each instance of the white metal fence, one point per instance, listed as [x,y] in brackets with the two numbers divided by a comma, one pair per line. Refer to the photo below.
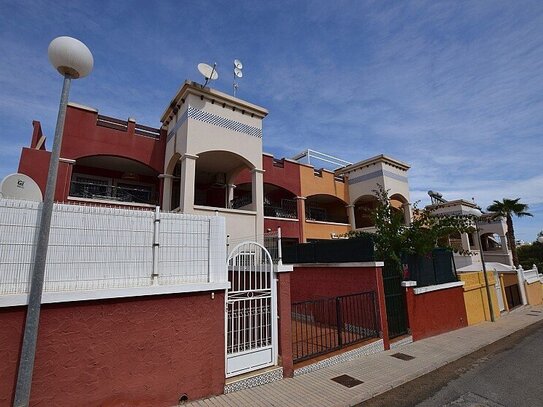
[97,248]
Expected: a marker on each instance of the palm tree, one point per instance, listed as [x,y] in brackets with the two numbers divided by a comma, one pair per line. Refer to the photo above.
[506,209]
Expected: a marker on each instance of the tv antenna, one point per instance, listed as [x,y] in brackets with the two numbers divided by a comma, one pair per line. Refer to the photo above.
[210,73]
[238,73]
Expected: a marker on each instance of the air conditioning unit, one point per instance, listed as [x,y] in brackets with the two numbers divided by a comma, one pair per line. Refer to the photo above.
[220,180]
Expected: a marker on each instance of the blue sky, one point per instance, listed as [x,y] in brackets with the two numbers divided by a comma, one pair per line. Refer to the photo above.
[454,88]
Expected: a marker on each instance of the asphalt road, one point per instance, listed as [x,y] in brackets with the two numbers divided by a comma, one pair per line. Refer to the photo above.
[506,373]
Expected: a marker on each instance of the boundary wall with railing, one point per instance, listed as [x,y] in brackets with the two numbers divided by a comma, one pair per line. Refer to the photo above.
[99,248]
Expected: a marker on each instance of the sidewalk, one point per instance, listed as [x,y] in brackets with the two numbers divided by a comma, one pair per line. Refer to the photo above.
[379,372]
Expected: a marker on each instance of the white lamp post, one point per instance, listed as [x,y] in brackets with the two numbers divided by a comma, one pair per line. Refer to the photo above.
[73,60]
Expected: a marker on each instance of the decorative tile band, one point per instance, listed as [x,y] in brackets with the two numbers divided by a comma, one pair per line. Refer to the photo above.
[366,350]
[376,174]
[219,121]
[178,124]
[258,380]
[401,342]
[206,117]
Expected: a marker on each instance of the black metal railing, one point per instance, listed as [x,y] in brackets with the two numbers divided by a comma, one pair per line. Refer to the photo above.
[91,190]
[325,325]
[240,201]
[284,209]
[318,214]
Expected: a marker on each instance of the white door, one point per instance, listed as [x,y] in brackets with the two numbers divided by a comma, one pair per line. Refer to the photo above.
[251,310]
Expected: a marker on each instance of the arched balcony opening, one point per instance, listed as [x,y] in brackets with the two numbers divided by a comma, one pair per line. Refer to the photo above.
[114,179]
[363,211]
[491,242]
[279,202]
[400,204]
[325,208]
[213,186]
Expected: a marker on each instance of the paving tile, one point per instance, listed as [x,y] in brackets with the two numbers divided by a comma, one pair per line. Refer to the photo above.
[379,372]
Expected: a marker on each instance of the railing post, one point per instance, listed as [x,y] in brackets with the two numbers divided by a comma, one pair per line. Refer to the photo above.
[279,249]
[339,322]
[156,245]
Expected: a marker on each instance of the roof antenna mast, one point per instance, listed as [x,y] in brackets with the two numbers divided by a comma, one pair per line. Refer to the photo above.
[238,73]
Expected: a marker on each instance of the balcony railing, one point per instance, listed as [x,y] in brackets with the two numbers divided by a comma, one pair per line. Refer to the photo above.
[284,209]
[322,215]
[91,190]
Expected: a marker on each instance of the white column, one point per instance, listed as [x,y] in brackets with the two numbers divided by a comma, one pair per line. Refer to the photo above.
[465,241]
[167,181]
[258,202]
[521,286]
[229,194]
[188,177]
[350,213]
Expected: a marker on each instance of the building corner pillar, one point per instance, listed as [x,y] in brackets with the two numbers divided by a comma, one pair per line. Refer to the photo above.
[300,207]
[257,177]
[166,181]
[351,215]
[188,181]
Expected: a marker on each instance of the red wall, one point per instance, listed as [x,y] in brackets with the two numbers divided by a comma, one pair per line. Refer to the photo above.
[284,174]
[82,137]
[308,283]
[35,164]
[289,229]
[436,312]
[146,351]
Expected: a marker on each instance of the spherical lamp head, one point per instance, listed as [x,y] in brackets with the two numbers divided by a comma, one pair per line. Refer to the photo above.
[70,57]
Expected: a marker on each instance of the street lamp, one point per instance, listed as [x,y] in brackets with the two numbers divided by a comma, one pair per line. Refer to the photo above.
[73,60]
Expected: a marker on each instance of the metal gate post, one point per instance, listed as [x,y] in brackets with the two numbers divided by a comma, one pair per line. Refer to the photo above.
[339,322]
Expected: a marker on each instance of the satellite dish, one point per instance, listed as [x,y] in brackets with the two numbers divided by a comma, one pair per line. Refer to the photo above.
[20,186]
[238,64]
[208,71]
[238,72]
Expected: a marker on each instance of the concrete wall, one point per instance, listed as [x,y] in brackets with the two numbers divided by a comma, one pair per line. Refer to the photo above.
[475,296]
[434,312]
[147,351]
[533,293]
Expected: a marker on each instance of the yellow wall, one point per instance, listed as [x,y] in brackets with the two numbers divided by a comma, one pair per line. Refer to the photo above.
[323,184]
[321,230]
[509,279]
[312,184]
[475,296]
[533,293]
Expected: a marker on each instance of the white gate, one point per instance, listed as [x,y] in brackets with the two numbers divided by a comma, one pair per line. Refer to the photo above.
[251,310]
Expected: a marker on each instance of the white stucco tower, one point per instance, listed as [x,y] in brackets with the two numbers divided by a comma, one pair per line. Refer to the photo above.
[212,137]
[364,177]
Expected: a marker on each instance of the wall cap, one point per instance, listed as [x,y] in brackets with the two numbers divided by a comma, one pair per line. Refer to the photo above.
[12,300]
[409,283]
[351,264]
[430,288]
[283,268]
